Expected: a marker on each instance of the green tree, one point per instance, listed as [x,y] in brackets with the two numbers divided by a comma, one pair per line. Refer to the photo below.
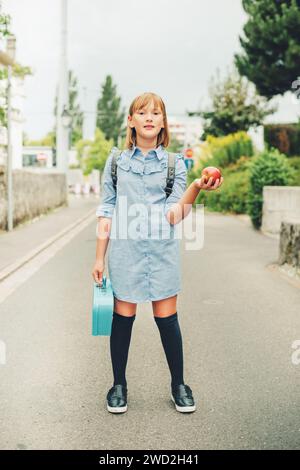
[235,106]
[93,154]
[18,71]
[75,110]
[4,24]
[271,46]
[109,117]
[48,140]
[4,31]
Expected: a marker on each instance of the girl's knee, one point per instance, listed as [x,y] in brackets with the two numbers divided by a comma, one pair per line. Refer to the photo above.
[127,309]
[165,307]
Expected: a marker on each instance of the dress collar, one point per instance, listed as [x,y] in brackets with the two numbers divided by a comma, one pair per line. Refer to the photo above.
[159,151]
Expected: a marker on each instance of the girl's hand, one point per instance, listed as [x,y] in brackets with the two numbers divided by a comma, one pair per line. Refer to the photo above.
[209,186]
[98,271]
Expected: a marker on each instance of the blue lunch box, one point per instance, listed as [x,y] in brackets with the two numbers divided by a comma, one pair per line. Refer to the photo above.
[103,305]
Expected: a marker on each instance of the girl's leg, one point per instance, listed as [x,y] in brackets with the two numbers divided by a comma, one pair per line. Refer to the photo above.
[127,309]
[165,307]
[123,318]
[165,316]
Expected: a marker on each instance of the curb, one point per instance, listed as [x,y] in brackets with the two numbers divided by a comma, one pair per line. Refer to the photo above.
[283,273]
[11,268]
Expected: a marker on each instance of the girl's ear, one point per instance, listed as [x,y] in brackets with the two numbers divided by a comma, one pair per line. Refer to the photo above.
[129,121]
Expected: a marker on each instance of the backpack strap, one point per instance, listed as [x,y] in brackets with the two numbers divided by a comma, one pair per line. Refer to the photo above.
[171,174]
[116,154]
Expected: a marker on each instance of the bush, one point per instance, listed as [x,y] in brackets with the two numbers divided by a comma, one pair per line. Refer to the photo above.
[294,163]
[231,154]
[232,196]
[266,169]
[226,150]
[244,179]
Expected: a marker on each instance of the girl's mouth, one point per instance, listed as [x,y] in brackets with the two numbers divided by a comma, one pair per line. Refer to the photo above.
[149,127]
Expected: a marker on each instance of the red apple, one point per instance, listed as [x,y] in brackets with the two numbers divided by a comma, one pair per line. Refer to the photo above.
[211,171]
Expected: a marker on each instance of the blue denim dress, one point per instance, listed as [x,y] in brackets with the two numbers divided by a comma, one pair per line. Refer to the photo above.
[144,249]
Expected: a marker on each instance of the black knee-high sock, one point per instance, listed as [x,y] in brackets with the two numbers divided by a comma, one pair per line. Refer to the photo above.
[119,345]
[172,342]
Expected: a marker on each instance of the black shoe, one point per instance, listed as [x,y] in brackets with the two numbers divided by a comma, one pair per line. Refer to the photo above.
[117,399]
[182,396]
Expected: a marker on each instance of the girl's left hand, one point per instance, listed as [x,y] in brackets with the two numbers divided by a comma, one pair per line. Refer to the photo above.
[209,186]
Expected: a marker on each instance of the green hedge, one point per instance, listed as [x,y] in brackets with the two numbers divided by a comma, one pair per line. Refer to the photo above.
[223,151]
[266,169]
[242,190]
[231,197]
[294,163]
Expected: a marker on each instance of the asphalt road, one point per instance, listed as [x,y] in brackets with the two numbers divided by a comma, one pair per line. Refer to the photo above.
[238,321]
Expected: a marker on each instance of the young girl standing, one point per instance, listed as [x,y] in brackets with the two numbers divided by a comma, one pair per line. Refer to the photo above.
[143,267]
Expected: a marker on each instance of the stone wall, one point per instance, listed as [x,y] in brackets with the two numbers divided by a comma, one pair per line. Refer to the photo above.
[279,203]
[289,246]
[35,192]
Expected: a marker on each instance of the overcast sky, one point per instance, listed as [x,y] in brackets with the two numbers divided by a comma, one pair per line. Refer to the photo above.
[170,47]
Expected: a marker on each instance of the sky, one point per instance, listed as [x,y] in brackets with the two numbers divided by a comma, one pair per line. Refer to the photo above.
[170,47]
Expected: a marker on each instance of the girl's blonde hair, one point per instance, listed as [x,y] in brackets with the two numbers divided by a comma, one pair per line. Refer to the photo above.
[138,103]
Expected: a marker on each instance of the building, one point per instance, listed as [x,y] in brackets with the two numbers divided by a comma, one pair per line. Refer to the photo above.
[187,130]
[43,156]
[37,156]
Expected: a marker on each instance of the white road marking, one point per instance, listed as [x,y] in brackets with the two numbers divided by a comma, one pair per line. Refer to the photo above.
[21,275]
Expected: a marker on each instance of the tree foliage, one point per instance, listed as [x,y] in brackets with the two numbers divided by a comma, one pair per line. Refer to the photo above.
[271,45]
[235,106]
[109,116]
[92,154]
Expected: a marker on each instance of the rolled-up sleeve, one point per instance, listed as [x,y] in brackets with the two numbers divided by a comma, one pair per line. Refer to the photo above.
[108,193]
[179,185]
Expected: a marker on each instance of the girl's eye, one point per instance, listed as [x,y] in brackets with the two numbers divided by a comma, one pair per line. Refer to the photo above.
[141,112]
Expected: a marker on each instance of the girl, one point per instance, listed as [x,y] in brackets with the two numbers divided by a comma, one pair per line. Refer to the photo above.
[141,267]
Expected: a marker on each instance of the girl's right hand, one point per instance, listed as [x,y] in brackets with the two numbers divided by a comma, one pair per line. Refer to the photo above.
[98,271]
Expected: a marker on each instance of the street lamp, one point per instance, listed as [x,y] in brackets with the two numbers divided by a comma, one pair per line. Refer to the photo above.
[66,118]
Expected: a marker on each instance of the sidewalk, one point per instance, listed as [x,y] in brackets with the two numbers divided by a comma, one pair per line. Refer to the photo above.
[28,239]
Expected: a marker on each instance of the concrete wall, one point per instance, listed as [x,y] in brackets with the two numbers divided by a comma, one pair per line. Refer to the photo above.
[257,136]
[279,203]
[35,191]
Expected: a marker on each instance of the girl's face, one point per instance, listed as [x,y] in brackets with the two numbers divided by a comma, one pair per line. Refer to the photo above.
[147,121]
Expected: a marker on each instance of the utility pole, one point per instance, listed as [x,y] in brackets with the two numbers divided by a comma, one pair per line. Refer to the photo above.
[62,131]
